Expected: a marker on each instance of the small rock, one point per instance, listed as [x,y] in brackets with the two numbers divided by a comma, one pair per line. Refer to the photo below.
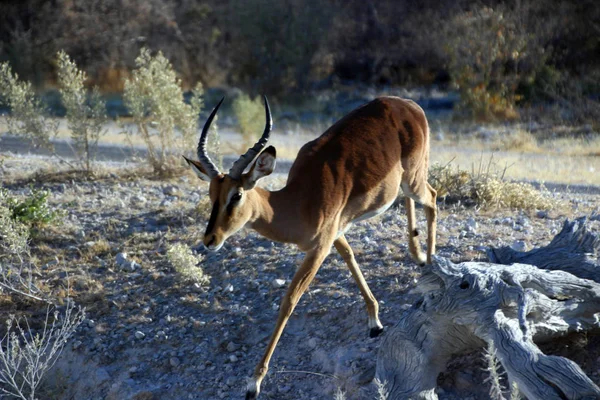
[284,389]
[228,288]
[140,335]
[278,283]
[519,245]
[138,199]
[174,361]
[51,263]
[77,344]
[231,347]
[161,335]
[102,375]
[312,343]
[472,224]
[121,259]
[518,227]
[507,221]
[523,221]
[130,266]
[542,214]
[171,190]
[233,358]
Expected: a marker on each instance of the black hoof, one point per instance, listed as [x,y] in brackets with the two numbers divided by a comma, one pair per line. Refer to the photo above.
[375,332]
[251,395]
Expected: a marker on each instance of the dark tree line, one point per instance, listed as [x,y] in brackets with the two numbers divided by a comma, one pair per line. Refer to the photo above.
[281,46]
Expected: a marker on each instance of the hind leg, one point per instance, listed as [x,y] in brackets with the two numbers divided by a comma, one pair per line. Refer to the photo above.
[429,204]
[414,247]
[425,195]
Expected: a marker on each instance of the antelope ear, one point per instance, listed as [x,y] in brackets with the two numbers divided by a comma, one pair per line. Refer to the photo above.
[262,166]
[198,169]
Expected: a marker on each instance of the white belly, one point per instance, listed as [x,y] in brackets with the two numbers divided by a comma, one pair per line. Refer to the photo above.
[374,213]
[365,216]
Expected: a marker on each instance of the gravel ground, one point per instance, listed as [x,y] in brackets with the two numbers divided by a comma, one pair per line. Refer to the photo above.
[151,335]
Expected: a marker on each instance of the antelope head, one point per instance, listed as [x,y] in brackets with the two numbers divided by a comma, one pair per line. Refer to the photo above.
[234,200]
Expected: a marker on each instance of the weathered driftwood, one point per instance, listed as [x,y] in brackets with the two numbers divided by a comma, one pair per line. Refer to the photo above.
[573,250]
[466,305]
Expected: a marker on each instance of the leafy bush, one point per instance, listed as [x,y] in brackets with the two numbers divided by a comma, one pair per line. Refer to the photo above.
[26,355]
[27,113]
[85,118]
[166,123]
[13,233]
[185,263]
[250,117]
[487,189]
[33,210]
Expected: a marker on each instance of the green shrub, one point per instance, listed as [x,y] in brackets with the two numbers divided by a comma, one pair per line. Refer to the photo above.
[85,119]
[250,118]
[166,123]
[27,113]
[13,233]
[32,211]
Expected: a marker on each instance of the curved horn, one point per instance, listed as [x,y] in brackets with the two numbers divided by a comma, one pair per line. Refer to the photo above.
[240,165]
[203,157]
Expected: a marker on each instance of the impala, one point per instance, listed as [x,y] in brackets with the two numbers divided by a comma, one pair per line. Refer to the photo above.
[352,172]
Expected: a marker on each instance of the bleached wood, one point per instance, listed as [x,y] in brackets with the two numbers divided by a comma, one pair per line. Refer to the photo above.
[466,305]
[574,249]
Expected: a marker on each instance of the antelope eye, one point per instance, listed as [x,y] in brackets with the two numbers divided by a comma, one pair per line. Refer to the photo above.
[236,197]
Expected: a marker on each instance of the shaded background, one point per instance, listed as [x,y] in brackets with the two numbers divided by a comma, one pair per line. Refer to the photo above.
[293,46]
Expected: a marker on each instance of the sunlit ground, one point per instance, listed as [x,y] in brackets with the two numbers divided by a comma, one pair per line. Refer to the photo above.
[564,160]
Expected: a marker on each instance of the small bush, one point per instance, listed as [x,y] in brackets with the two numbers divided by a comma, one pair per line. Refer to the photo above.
[494,369]
[487,189]
[32,211]
[185,263]
[250,117]
[13,233]
[497,376]
[27,113]
[27,355]
[382,389]
[166,123]
[85,118]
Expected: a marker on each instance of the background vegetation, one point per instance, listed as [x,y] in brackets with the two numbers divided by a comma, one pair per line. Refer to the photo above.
[498,54]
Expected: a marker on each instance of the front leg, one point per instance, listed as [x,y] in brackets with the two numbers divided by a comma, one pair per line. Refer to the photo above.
[303,277]
[342,246]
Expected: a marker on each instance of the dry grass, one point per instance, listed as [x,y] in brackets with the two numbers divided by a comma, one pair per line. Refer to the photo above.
[570,166]
[487,189]
[519,140]
[185,263]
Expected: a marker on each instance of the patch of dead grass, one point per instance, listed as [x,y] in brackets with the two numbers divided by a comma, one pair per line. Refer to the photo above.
[520,140]
[487,189]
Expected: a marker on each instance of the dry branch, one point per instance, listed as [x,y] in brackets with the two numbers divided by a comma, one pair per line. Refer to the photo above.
[469,304]
[574,249]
